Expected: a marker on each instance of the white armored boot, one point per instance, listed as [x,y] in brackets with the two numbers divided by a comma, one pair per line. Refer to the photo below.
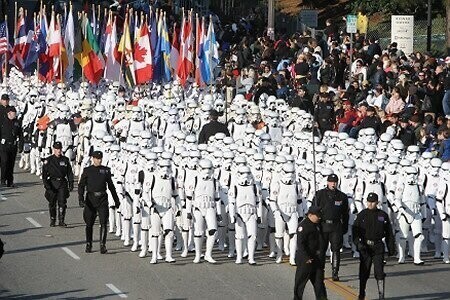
[158,252]
[251,250]
[126,232]
[238,244]
[136,231]
[292,249]
[198,249]
[231,243]
[118,223]
[286,243]
[279,243]
[185,238]
[144,244]
[272,246]
[154,248]
[417,248]
[169,246]
[221,234]
[111,219]
[210,239]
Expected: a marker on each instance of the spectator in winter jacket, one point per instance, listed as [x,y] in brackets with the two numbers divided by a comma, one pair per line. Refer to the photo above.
[349,115]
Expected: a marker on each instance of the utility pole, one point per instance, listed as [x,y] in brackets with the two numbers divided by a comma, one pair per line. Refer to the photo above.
[429,26]
[271,19]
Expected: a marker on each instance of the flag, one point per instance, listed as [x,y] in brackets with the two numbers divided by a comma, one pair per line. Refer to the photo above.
[153,32]
[20,42]
[91,64]
[3,37]
[210,55]
[175,51]
[69,44]
[126,49]
[186,56]
[112,66]
[54,42]
[143,56]
[198,45]
[165,49]
[44,60]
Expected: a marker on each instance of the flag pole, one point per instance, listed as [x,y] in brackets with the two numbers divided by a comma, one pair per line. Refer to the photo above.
[58,21]
[6,52]
[123,48]
[82,15]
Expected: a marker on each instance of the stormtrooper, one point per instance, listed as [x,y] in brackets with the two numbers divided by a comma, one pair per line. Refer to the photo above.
[411,212]
[114,214]
[162,197]
[371,184]
[443,206]
[135,123]
[132,205]
[245,212]
[147,181]
[237,128]
[286,203]
[64,130]
[204,206]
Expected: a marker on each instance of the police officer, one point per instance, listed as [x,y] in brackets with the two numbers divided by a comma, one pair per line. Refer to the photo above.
[310,264]
[11,138]
[4,104]
[370,227]
[335,215]
[95,179]
[57,177]
[324,113]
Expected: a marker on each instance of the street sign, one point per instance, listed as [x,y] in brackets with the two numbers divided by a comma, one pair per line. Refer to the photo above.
[351,23]
[402,32]
[309,17]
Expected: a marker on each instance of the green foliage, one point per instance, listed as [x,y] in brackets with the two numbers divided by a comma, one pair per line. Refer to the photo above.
[390,6]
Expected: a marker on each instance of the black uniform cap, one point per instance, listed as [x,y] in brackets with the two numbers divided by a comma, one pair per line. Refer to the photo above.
[10,109]
[332,178]
[97,154]
[5,97]
[372,197]
[57,145]
[315,210]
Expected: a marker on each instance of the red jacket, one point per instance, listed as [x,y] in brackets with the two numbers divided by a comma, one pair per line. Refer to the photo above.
[349,116]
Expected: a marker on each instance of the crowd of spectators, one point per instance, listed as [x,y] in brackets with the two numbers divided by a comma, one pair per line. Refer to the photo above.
[406,94]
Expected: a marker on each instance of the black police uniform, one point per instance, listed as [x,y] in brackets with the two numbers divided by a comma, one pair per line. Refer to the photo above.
[309,246]
[11,138]
[369,228]
[95,180]
[57,177]
[335,215]
[324,115]
[210,129]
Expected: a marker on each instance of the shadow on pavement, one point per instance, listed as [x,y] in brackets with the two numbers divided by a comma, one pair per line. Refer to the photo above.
[18,231]
[45,247]
[431,296]
[57,295]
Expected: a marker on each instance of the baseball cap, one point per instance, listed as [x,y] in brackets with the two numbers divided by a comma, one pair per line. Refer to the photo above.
[5,97]
[97,154]
[57,145]
[332,178]
[404,120]
[315,210]
[372,197]
[214,113]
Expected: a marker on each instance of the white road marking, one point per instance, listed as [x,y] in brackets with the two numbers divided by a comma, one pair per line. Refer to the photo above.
[32,221]
[71,253]
[113,288]
[3,197]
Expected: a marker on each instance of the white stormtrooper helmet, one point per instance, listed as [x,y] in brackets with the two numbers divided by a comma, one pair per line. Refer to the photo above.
[137,114]
[173,115]
[445,171]
[164,168]
[206,169]
[244,175]
[373,175]
[151,160]
[228,158]
[369,153]
[410,175]
[413,153]
[425,159]
[435,166]
[288,173]
[358,149]
[380,160]
[190,141]
[320,154]
[134,151]
[99,114]
[63,111]
[219,105]
[397,147]
[348,168]
[392,164]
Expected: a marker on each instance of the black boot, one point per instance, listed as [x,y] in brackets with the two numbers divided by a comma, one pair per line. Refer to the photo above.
[380,284]
[336,258]
[103,234]
[89,239]
[52,212]
[62,216]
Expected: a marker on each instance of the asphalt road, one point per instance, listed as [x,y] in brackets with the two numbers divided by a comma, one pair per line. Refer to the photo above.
[49,263]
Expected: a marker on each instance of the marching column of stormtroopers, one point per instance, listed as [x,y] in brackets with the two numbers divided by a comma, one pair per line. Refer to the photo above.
[243,192]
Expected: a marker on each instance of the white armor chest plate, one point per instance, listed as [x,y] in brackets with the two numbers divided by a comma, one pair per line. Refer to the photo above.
[225,179]
[136,126]
[190,182]
[162,193]
[348,186]
[441,194]
[391,181]
[287,198]
[239,131]
[411,197]
[63,134]
[131,176]
[245,199]
[266,179]
[373,188]
[432,185]
[204,194]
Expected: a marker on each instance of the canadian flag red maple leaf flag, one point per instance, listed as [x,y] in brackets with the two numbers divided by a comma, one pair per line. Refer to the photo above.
[143,56]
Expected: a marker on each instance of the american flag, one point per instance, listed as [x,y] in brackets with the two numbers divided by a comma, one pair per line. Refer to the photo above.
[3,37]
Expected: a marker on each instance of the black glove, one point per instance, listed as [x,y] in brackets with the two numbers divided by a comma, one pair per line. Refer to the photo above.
[361,247]
[189,216]
[219,218]
[138,210]
[70,185]
[178,213]
[117,205]
[258,220]
[81,202]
